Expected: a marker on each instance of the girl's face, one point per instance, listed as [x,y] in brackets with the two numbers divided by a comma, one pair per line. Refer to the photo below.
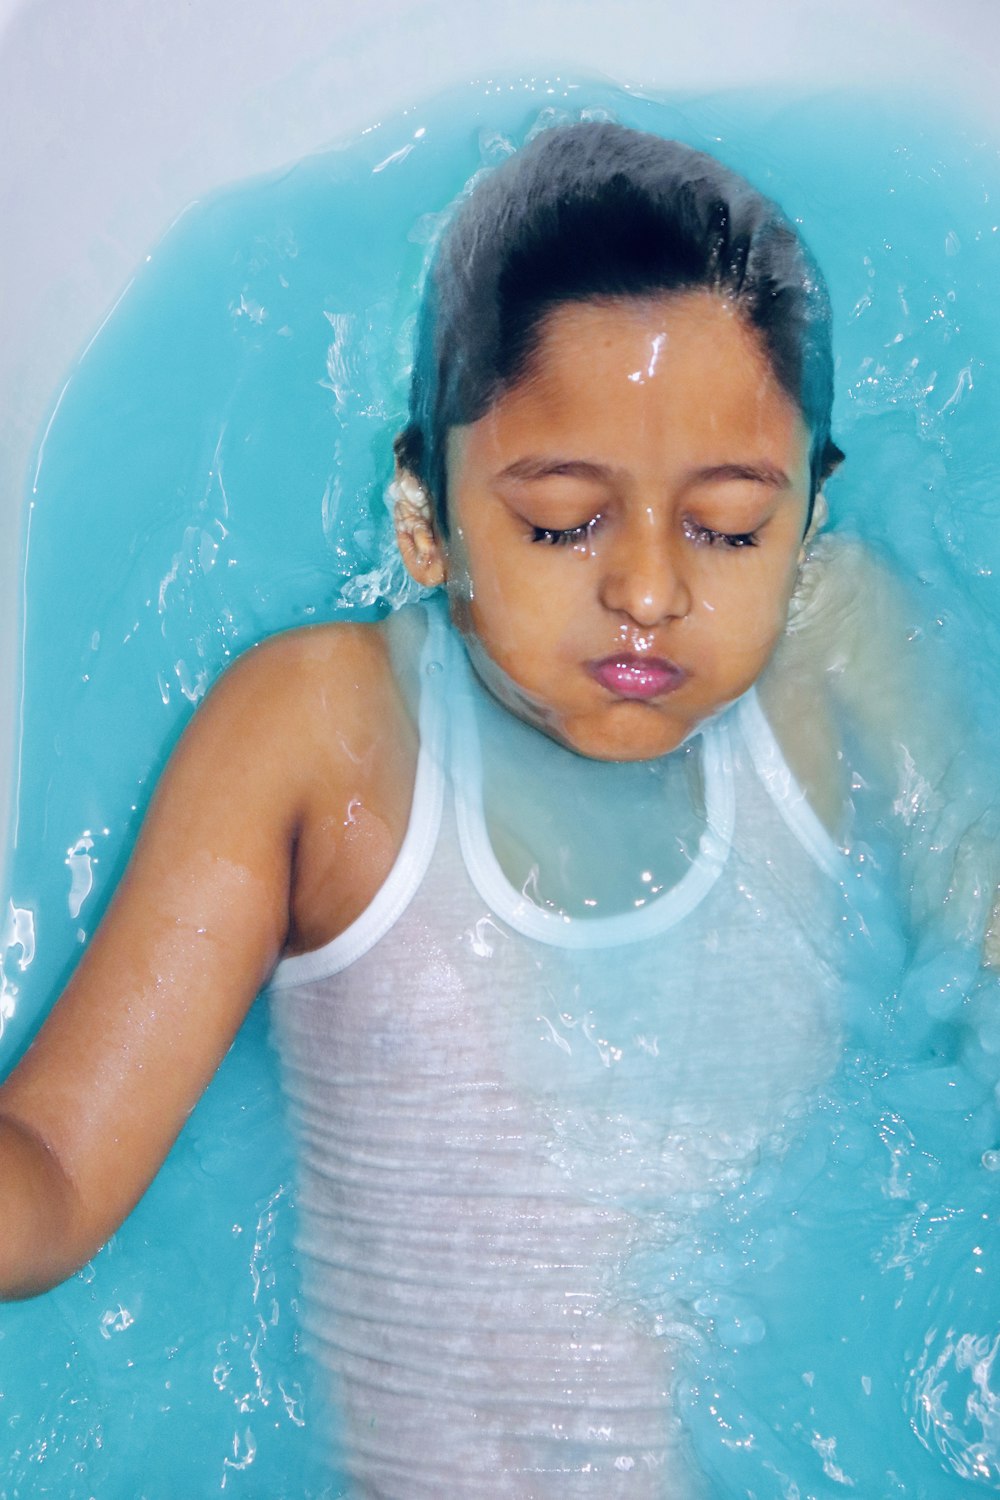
[626,524]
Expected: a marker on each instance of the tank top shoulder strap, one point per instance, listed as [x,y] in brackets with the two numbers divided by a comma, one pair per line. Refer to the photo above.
[419,842]
[784,790]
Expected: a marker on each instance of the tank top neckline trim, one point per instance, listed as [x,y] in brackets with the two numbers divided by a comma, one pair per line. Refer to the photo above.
[445,678]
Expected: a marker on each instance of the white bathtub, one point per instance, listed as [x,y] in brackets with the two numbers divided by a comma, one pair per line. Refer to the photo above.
[118,113]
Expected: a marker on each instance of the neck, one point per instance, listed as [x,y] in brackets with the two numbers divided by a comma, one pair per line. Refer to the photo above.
[589,837]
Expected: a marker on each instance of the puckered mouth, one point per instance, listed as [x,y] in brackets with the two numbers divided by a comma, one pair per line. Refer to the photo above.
[626,675]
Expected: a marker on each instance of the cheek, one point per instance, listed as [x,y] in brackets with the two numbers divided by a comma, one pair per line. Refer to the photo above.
[750,613]
[485,607]
[489,582]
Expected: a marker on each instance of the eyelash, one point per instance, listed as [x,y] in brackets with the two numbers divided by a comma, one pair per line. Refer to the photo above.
[709,538]
[568,538]
[735,540]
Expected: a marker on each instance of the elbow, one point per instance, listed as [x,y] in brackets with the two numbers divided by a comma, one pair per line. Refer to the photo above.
[41,1243]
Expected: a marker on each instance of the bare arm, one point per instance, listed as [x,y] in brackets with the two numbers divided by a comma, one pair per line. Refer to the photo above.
[192,934]
[860,636]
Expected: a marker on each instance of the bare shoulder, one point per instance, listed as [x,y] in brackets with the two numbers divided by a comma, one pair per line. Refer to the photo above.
[330,715]
[286,738]
[847,614]
[299,674]
[861,657]
[847,596]
[341,644]
[326,687]
[865,624]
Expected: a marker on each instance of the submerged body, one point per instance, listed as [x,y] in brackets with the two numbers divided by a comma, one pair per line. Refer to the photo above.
[499,1105]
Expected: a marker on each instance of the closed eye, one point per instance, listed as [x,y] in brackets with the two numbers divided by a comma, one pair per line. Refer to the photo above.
[706,536]
[565,537]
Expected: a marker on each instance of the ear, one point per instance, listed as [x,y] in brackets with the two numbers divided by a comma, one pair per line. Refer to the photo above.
[420,547]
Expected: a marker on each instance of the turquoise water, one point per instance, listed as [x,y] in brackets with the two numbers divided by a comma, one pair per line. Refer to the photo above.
[215,471]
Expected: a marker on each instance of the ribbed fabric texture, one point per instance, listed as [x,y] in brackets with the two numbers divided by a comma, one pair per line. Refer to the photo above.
[495,1132]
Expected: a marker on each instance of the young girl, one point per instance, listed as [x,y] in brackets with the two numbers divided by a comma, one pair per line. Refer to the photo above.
[543,872]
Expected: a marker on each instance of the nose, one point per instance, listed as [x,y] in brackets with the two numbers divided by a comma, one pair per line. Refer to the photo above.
[644,576]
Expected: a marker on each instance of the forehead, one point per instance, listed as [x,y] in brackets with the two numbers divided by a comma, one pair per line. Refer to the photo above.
[675,335]
[685,369]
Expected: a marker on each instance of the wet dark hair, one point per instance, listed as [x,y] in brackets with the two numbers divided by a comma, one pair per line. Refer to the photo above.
[595,211]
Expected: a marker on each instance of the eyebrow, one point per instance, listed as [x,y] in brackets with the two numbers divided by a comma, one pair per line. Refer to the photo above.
[532,467]
[545,468]
[761,472]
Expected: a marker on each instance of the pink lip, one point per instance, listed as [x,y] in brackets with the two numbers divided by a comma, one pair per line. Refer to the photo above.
[629,676]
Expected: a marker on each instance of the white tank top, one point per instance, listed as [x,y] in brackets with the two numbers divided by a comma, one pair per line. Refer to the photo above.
[500,1109]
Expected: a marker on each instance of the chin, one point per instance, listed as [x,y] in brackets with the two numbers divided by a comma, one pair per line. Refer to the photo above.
[628,732]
